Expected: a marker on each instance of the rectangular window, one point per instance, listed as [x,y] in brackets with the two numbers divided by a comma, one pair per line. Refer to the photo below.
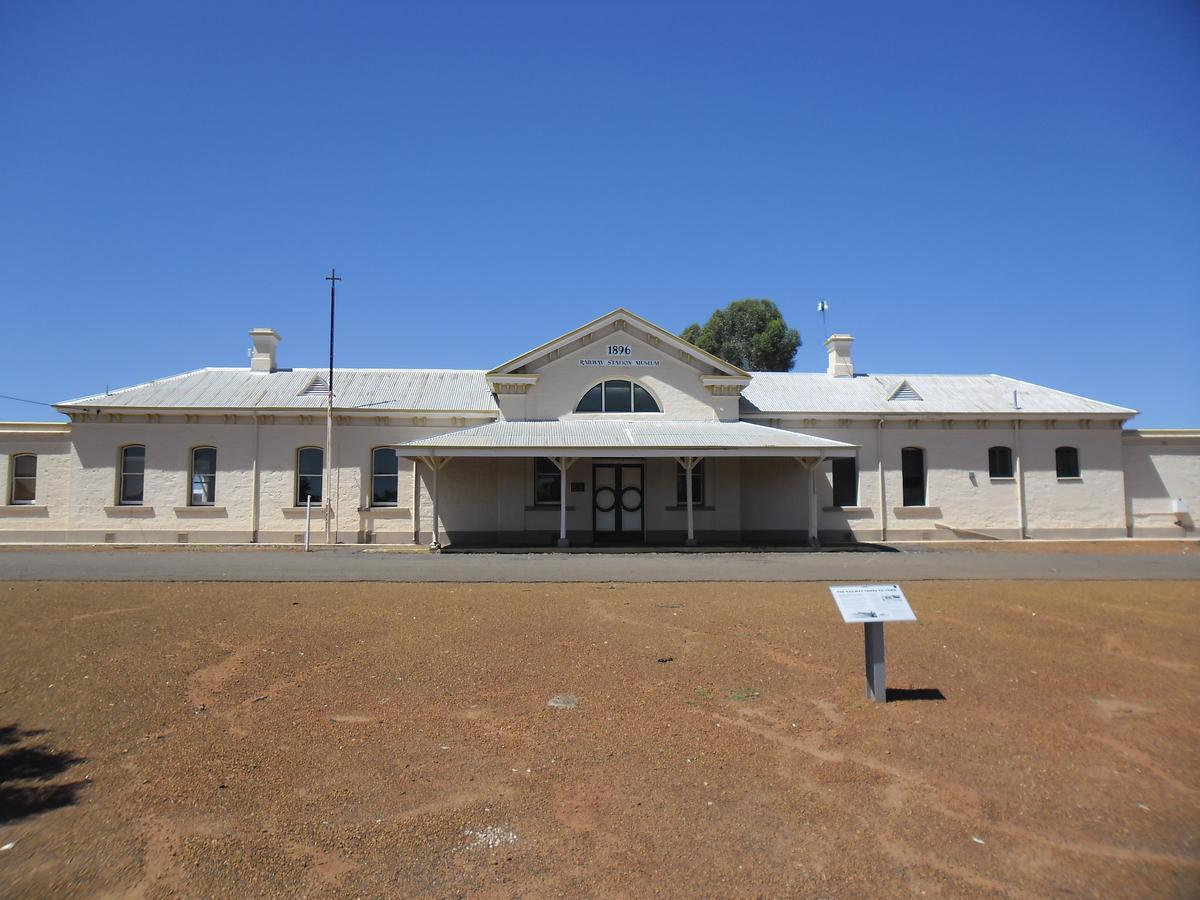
[133,475]
[204,476]
[310,462]
[912,468]
[385,477]
[23,489]
[1066,461]
[1000,462]
[697,485]
[845,482]
[547,482]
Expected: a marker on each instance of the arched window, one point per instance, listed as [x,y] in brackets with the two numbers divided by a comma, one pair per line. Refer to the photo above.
[23,488]
[1066,461]
[385,477]
[310,462]
[617,395]
[204,476]
[912,468]
[133,476]
[1000,462]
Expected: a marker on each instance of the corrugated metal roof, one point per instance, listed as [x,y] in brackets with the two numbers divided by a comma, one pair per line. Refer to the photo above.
[447,390]
[817,392]
[625,434]
[467,390]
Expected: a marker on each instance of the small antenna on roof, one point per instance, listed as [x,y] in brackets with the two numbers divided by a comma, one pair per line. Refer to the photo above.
[822,306]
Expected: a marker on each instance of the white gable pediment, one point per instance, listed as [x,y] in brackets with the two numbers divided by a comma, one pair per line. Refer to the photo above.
[686,380]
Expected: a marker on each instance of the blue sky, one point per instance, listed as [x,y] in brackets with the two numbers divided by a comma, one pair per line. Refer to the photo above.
[1008,187]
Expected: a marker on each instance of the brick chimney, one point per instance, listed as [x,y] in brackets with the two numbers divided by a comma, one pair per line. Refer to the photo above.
[262,359]
[840,364]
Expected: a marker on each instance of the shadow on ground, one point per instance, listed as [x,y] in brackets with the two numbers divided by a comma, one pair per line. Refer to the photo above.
[672,548]
[896,695]
[27,769]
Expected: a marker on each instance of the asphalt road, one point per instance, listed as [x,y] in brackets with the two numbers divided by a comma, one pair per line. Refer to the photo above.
[363,564]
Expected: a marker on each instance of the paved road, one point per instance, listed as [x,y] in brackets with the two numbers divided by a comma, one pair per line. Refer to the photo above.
[360,564]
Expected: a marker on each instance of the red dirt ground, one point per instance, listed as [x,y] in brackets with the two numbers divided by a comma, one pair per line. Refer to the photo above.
[383,739]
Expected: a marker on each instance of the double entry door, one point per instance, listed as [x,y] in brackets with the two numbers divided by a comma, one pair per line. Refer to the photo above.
[617,502]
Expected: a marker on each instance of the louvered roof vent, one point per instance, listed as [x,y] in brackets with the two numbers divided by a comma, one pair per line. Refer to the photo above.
[317,386]
[905,392]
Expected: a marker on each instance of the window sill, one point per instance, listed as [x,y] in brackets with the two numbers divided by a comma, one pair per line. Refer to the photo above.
[1069,479]
[696,507]
[297,512]
[1002,479]
[917,512]
[548,507]
[132,512]
[850,511]
[386,512]
[25,509]
[201,512]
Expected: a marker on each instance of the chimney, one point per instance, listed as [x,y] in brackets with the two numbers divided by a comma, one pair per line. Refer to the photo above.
[262,358]
[840,364]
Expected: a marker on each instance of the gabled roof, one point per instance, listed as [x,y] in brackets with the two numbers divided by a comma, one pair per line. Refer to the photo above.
[802,393]
[620,314]
[384,390]
[625,437]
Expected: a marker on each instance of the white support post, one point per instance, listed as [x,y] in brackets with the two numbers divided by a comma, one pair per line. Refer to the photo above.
[436,464]
[814,532]
[689,463]
[563,463]
[308,523]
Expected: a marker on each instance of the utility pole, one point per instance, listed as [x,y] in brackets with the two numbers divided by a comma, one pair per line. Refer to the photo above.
[326,481]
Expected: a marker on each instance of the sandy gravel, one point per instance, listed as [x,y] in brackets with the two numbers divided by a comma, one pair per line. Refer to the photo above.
[396,740]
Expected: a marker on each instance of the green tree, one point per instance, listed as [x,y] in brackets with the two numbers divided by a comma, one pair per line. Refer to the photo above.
[751,334]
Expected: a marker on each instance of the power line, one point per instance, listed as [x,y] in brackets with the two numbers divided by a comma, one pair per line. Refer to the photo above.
[23,400]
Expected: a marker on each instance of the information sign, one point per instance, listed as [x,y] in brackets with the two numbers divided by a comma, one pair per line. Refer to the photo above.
[872,603]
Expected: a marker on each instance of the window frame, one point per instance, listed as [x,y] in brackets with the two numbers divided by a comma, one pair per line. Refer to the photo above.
[904,487]
[833,481]
[191,498]
[1058,468]
[375,475]
[13,478]
[634,385]
[122,474]
[300,504]
[698,483]
[554,478]
[992,473]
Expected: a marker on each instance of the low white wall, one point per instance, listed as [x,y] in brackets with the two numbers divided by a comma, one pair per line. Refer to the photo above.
[1162,467]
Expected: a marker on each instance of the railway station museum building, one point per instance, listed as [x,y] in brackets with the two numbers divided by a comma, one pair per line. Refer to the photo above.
[618,431]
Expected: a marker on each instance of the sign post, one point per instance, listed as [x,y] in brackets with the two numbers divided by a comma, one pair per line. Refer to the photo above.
[873,605]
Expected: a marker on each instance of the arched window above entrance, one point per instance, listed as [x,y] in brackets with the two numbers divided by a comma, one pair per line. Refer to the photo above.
[617,395]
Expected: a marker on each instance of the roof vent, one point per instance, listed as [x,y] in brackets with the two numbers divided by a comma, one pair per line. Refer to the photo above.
[317,386]
[905,392]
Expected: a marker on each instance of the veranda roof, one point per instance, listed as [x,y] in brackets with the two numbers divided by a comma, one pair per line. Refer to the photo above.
[625,438]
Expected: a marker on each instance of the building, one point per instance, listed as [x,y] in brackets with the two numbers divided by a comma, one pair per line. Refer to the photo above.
[617,431]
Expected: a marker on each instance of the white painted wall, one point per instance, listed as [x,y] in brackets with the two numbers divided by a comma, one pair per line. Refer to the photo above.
[1162,466]
[46,518]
